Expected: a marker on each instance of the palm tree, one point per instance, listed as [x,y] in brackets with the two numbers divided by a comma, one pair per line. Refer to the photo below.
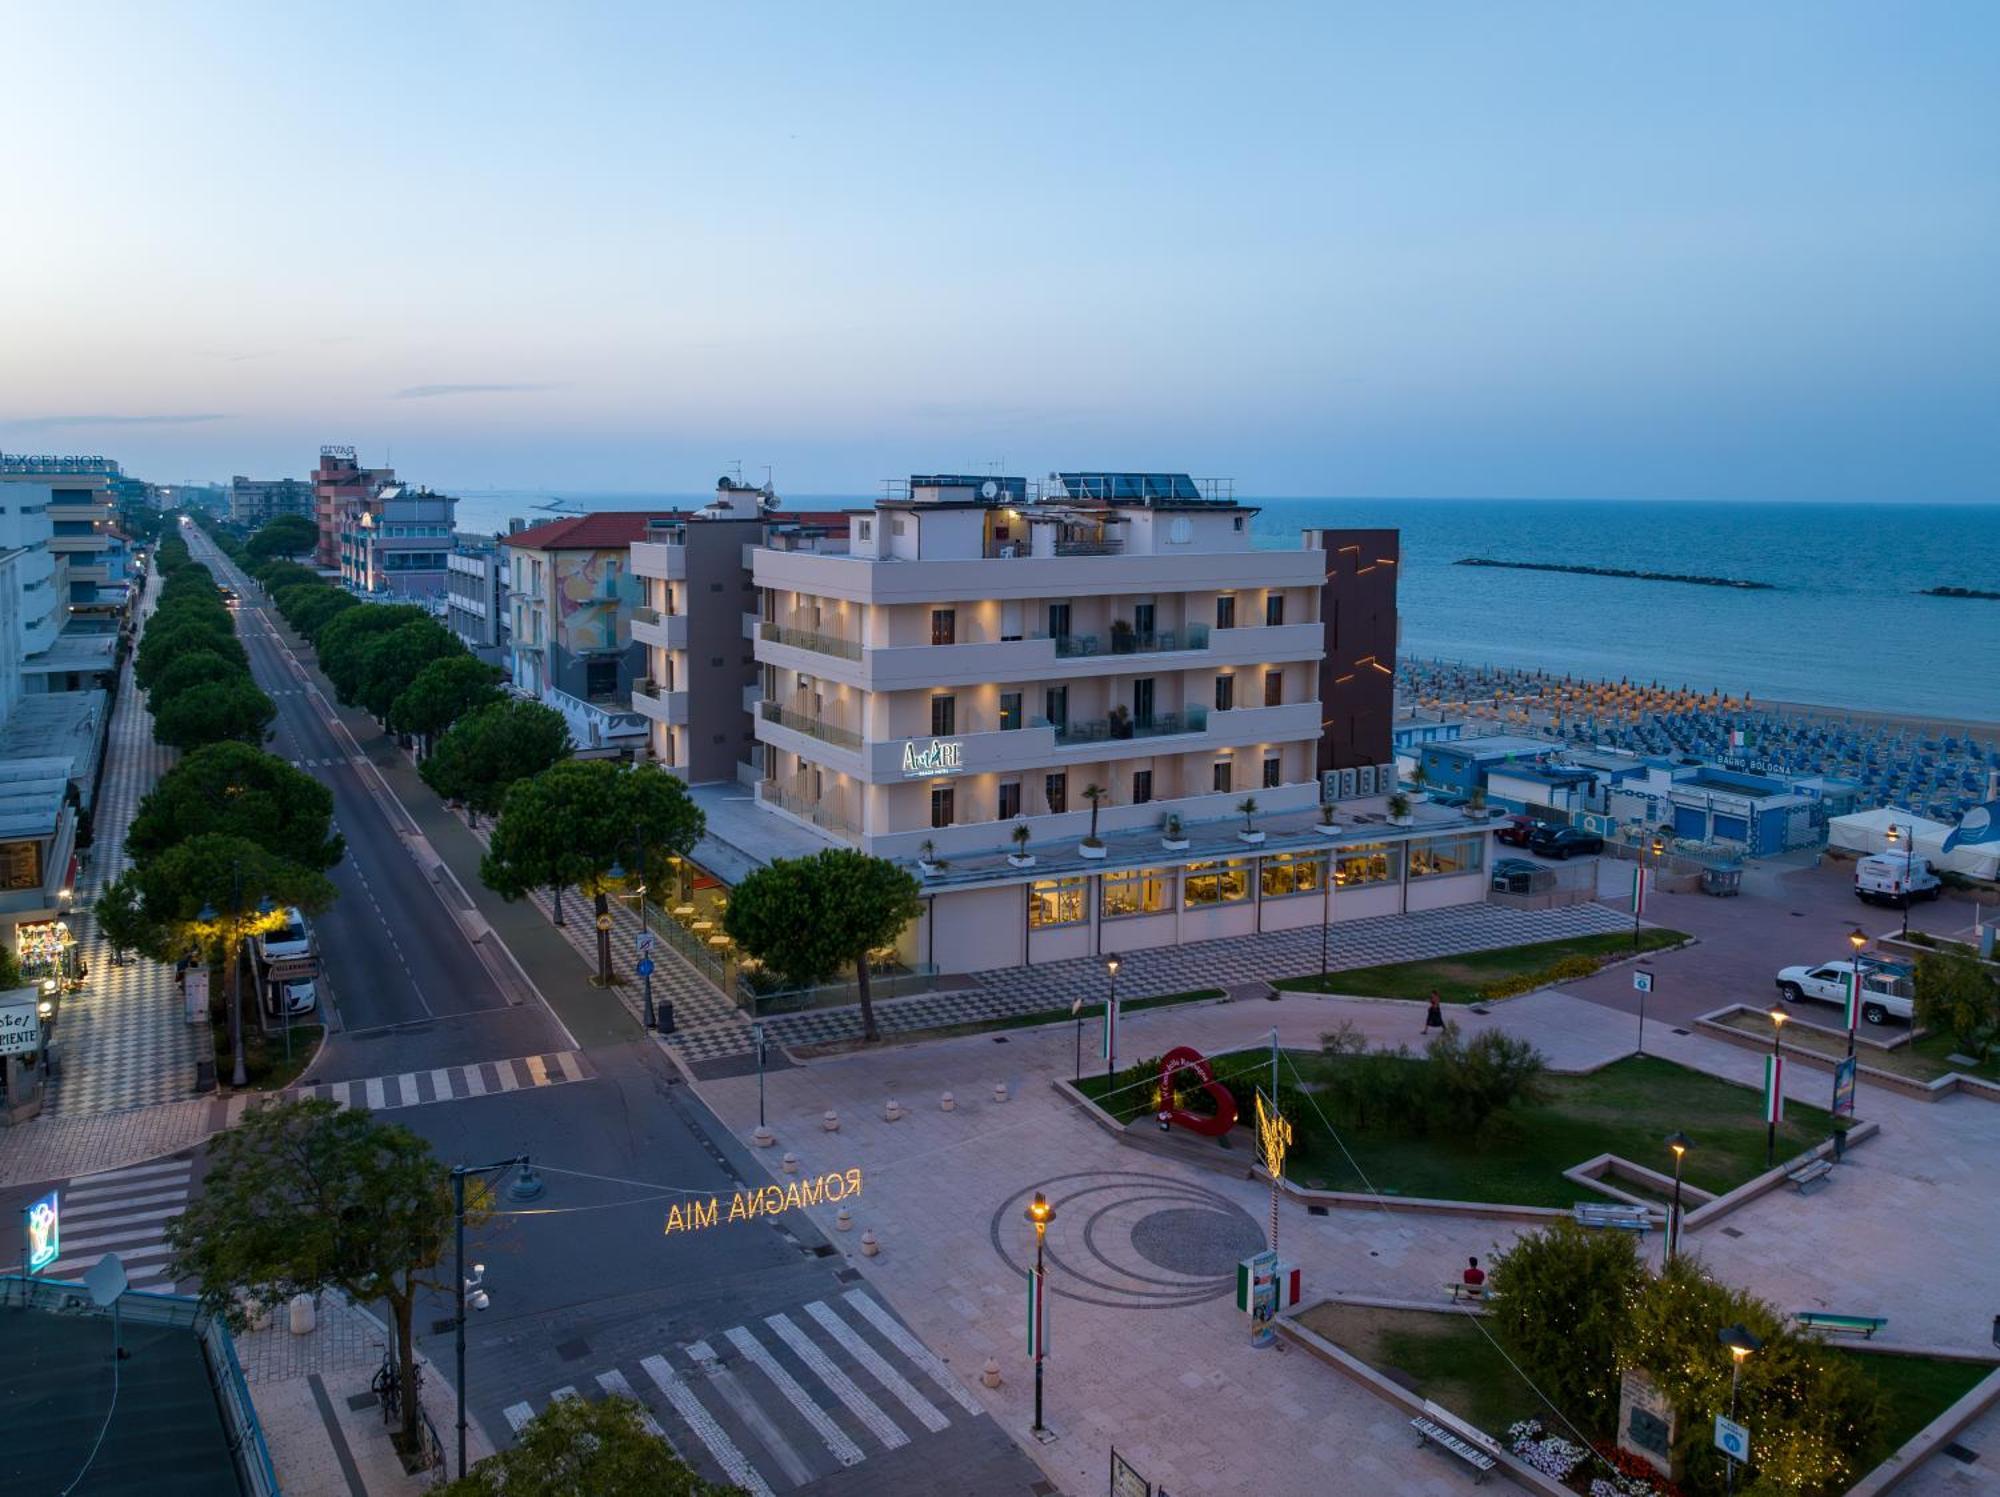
[1249,808]
[1095,794]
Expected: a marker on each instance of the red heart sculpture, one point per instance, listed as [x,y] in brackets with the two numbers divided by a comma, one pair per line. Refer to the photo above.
[1186,1058]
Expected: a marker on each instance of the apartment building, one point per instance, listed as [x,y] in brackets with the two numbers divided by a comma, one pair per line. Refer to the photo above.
[253,501]
[394,542]
[83,536]
[475,603]
[992,669]
[340,482]
[34,586]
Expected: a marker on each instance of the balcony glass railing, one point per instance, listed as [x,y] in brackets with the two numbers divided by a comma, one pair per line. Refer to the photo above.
[1130,642]
[645,615]
[805,639]
[818,813]
[799,722]
[1083,547]
[1109,729]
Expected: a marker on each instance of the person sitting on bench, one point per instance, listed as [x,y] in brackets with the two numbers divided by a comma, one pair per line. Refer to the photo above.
[1474,1278]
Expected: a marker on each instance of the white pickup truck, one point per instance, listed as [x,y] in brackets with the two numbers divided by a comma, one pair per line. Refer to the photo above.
[1885,991]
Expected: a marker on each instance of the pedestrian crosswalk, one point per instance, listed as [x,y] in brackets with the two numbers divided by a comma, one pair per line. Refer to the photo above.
[484,1078]
[124,1212]
[780,1404]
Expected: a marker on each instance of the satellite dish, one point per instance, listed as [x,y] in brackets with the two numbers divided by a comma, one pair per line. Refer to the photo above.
[989,490]
[106,1280]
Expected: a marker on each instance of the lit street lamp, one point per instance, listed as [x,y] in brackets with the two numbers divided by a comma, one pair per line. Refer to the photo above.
[1639,885]
[1909,865]
[1680,1143]
[1040,1212]
[1740,1343]
[1778,1017]
[1111,1020]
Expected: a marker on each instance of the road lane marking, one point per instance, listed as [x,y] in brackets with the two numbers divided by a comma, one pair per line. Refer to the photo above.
[537,1071]
[726,1383]
[508,1080]
[475,1081]
[898,1336]
[843,1387]
[851,1341]
[441,1085]
[566,1059]
[373,1085]
[831,1435]
[711,1434]
[613,1382]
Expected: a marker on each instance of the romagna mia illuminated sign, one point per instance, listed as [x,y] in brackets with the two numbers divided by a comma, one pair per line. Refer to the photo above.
[939,756]
[768,1200]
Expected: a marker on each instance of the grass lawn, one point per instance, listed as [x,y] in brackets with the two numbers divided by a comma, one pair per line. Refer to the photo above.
[1442,1355]
[1459,979]
[1918,1388]
[1923,1059]
[1627,1109]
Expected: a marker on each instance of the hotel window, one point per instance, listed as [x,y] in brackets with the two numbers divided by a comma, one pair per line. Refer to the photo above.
[1225,693]
[1274,688]
[864,529]
[1057,901]
[1446,855]
[944,626]
[1142,786]
[1058,621]
[1143,891]
[1217,883]
[1220,779]
[941,803]
[1010,711]
[944,716]
[1287,873]
[1368,863]
[1055,707]
[1225,612]
[1273,768]
[1010,801]
[1274,610]
[1055,790]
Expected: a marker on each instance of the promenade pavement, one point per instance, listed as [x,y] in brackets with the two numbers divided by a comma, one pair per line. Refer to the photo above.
[1143,1250]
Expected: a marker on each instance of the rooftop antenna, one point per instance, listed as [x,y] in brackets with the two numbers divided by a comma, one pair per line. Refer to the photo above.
[767,478]
[737,468]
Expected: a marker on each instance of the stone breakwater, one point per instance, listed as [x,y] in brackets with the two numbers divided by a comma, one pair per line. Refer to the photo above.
[1584,571]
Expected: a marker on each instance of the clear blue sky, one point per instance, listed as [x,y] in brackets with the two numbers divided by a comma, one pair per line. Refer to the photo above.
[1692,250]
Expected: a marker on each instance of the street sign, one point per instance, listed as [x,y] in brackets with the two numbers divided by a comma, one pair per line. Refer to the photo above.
[604,922]
[1126,1480]
[20,1024]
[44,1231]
[1844,1072]
[645,942]
[1642,982]
[645,966]
[1732,1439]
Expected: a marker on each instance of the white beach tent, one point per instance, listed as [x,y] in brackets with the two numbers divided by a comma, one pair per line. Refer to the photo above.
[1868,831]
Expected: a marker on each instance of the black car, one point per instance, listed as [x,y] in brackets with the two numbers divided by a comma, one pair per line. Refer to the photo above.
[1563,842]
[1515,876]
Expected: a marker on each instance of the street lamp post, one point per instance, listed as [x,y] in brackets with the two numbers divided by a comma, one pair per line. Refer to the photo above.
[1775,1101]
[207,914]
[1639,885]
[1326,910]
[1076,1012]
[1741,1343]
[526,1186]
[1680,1143]
[1041,1212]
[1111,1020]
[1908,836]
[617,871]
[1858,939]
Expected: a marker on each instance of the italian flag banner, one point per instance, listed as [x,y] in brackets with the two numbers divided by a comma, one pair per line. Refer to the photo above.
[1638,889]
[1774,1088]
[1108,1045]
[1038,1315]
[1854,999]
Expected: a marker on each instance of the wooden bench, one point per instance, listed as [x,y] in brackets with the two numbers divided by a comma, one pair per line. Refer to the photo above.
[1596,1214]
[1440,1427]
[1812,1173]
[1864,1326]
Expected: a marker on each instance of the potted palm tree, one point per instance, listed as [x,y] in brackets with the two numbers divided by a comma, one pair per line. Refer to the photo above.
[1172,837]
[1419,778]
[1248,809]
[1020,857]
[1399,809]
[1092,846]
[929,864]
[1476,806]
[1327,827]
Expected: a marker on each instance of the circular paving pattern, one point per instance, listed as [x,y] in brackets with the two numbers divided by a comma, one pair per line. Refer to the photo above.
[1130,1240]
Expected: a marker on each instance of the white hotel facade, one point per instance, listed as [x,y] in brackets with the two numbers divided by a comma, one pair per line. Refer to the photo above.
[984,652]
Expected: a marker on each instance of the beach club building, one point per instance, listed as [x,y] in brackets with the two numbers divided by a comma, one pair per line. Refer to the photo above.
[990,671]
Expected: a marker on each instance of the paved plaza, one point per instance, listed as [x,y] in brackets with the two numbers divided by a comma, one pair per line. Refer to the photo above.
[1143,1250]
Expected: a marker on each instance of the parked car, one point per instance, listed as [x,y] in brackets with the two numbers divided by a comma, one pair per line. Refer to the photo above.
[294,998]
[1886,878]
[1515,876]
[293,939]
[1561,842]
[1515,830]
[1886,992]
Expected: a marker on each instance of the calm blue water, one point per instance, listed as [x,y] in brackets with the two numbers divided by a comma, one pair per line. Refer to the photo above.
[1845,627]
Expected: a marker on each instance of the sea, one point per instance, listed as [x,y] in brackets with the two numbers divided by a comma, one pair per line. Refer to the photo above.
[1843,625]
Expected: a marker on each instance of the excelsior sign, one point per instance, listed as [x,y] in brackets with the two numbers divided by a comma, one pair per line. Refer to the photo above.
[939,756]
[768,1200]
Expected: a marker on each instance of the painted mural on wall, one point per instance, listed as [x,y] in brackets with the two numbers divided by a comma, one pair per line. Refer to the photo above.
[590,586]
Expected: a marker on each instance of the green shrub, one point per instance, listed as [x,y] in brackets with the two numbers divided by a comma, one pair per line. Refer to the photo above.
[1560,1304]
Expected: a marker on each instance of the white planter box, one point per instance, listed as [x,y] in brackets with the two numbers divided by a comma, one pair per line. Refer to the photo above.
[1253,838]
[928,870]
[1092,852]
[1021,859]
[1174,844]
[1329,829]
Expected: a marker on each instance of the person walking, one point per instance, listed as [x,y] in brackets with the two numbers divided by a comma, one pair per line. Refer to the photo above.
[1434,1015]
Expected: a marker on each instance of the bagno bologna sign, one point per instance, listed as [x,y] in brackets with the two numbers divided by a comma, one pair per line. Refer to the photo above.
[769,1200]
[939,756]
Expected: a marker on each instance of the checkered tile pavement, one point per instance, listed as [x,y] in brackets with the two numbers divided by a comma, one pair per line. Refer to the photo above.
[123,1038]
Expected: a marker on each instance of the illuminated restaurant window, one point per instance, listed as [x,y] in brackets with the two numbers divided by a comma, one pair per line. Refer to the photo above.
[1057,901]
[1143,891]
[1369,863]
[1288,873]
[1446,855]
[1217,883]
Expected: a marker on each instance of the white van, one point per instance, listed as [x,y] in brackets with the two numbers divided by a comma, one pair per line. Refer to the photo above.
[292,939]
[1890,878]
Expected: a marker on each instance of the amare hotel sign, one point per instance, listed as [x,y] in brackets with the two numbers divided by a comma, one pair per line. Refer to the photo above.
[938,756]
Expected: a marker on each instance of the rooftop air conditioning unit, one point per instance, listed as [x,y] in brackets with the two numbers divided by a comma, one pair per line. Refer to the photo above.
[1365,780]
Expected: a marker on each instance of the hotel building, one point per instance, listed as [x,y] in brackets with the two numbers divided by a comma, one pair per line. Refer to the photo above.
[254,501]
[393,542]
[987,655]
[340,482]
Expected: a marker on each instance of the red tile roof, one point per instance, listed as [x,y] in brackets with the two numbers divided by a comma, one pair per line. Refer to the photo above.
[601,531]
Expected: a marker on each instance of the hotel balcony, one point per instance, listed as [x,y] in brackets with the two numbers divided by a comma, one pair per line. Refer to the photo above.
[650,701]
[812,727]
[665,631]
[660,561]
